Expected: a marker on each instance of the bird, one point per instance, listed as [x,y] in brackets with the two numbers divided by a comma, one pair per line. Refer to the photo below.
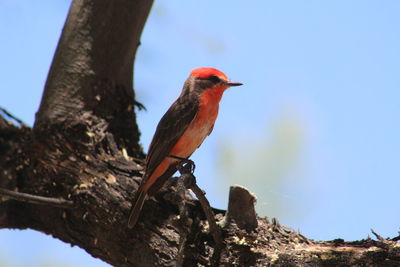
[181,130]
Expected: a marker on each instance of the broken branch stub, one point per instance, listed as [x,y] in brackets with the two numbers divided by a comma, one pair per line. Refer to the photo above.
[241,208]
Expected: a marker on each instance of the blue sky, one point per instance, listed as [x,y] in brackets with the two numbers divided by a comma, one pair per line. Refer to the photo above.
[331,67]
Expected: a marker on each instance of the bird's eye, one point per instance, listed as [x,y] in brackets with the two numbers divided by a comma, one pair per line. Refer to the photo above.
[214,79]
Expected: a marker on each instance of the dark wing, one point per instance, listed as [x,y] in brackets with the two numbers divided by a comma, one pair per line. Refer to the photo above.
[170,128]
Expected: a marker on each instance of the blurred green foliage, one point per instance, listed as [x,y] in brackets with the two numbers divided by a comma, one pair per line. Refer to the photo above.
[265,163]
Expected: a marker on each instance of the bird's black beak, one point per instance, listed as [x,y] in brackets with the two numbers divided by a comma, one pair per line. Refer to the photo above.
[233,84]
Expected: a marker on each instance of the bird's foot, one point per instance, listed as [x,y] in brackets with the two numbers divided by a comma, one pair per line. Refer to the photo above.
[185,166]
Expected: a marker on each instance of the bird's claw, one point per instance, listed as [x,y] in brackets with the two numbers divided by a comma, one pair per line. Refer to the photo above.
[186,166]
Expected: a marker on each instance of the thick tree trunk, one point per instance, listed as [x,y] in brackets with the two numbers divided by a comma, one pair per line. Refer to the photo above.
[84,148]
[92,70]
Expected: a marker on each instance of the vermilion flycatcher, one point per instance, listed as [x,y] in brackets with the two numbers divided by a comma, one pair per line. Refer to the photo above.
[181,131]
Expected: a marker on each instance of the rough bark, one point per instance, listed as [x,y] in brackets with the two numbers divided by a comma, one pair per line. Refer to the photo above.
[84,148]
[92,69]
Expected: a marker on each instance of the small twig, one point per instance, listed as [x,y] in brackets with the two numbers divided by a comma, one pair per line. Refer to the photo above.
[214,229]
[184,223]
[380,238]
[397,238]
[12,117]
[186,169]
[55,202]
[140,106]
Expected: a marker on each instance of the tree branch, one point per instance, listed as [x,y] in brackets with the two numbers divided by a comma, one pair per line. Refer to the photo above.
[75,152]
[101,185]
[8,114]
[186,168]
[54,202]
[92,69]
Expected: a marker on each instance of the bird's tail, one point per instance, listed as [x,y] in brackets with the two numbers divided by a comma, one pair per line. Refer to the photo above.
[137,207]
